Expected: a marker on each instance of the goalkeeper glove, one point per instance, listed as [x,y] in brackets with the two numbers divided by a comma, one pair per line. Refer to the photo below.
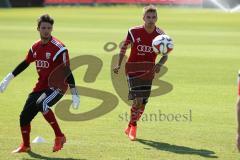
[75,98]
[5,82]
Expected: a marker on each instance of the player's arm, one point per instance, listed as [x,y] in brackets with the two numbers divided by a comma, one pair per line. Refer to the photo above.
[64,59]
[70,79]
[20,68]
[120,57]
[161,62]
[122,53]
[74,91]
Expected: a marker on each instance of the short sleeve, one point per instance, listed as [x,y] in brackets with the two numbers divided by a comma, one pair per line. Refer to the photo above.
[29,57]
[130,36]
[128,40]
[63,58]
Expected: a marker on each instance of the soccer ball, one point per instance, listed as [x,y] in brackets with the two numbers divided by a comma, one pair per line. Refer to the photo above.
[162,44]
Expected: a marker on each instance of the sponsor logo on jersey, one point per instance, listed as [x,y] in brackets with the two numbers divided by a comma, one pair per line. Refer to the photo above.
[48,55]
[42,64]
[145,49]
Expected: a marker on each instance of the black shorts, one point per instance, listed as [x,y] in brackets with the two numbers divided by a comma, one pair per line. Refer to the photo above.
[139,88]
[41,101]
[38,102]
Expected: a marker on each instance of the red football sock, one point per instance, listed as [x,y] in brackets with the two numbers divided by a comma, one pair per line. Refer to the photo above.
[140,112]
[25,130]
[133,117]
[50,118]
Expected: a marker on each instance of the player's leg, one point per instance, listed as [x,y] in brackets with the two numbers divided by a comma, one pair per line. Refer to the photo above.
[131,96]
[132,130]
[146,91]
[133,83]
[28,113]
[132,126]
[48,99]
[142,91]
[142,108]
[137,104]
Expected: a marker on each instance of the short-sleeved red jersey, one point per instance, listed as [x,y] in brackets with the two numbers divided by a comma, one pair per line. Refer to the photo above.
[47,58]
[141,48]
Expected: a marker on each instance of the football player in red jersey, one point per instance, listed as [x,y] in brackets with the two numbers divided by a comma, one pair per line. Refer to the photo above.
[48,53]
[140,67]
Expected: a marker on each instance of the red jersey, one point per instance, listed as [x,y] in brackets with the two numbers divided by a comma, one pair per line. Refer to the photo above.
[47,58]
[141,48]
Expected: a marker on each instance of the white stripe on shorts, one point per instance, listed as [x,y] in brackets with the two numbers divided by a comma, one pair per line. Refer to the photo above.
[48,99]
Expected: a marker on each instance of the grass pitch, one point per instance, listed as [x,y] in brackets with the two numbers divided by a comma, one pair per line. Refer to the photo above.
[202,69]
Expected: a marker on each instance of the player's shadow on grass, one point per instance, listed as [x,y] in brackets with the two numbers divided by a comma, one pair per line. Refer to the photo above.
[178,149]
[38,156]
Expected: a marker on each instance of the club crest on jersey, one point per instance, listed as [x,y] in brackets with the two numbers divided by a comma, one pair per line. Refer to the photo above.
[48,55]
[34,55]
[138,39]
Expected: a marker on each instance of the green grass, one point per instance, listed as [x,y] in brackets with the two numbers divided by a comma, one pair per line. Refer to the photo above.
[202,70]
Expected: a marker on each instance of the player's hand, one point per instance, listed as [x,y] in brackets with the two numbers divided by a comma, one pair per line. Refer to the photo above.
[116,69]
[4,83]
[75,98]
[157,68]
[238,142]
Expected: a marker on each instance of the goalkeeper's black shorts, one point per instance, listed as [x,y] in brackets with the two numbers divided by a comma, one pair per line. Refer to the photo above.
[39,102]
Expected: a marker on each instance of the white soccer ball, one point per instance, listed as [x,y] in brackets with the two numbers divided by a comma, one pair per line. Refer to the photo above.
[162,44]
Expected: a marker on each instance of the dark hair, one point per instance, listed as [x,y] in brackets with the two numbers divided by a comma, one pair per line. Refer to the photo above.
[45,18]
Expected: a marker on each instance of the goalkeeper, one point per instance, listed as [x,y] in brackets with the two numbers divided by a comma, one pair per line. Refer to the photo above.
[51,58]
